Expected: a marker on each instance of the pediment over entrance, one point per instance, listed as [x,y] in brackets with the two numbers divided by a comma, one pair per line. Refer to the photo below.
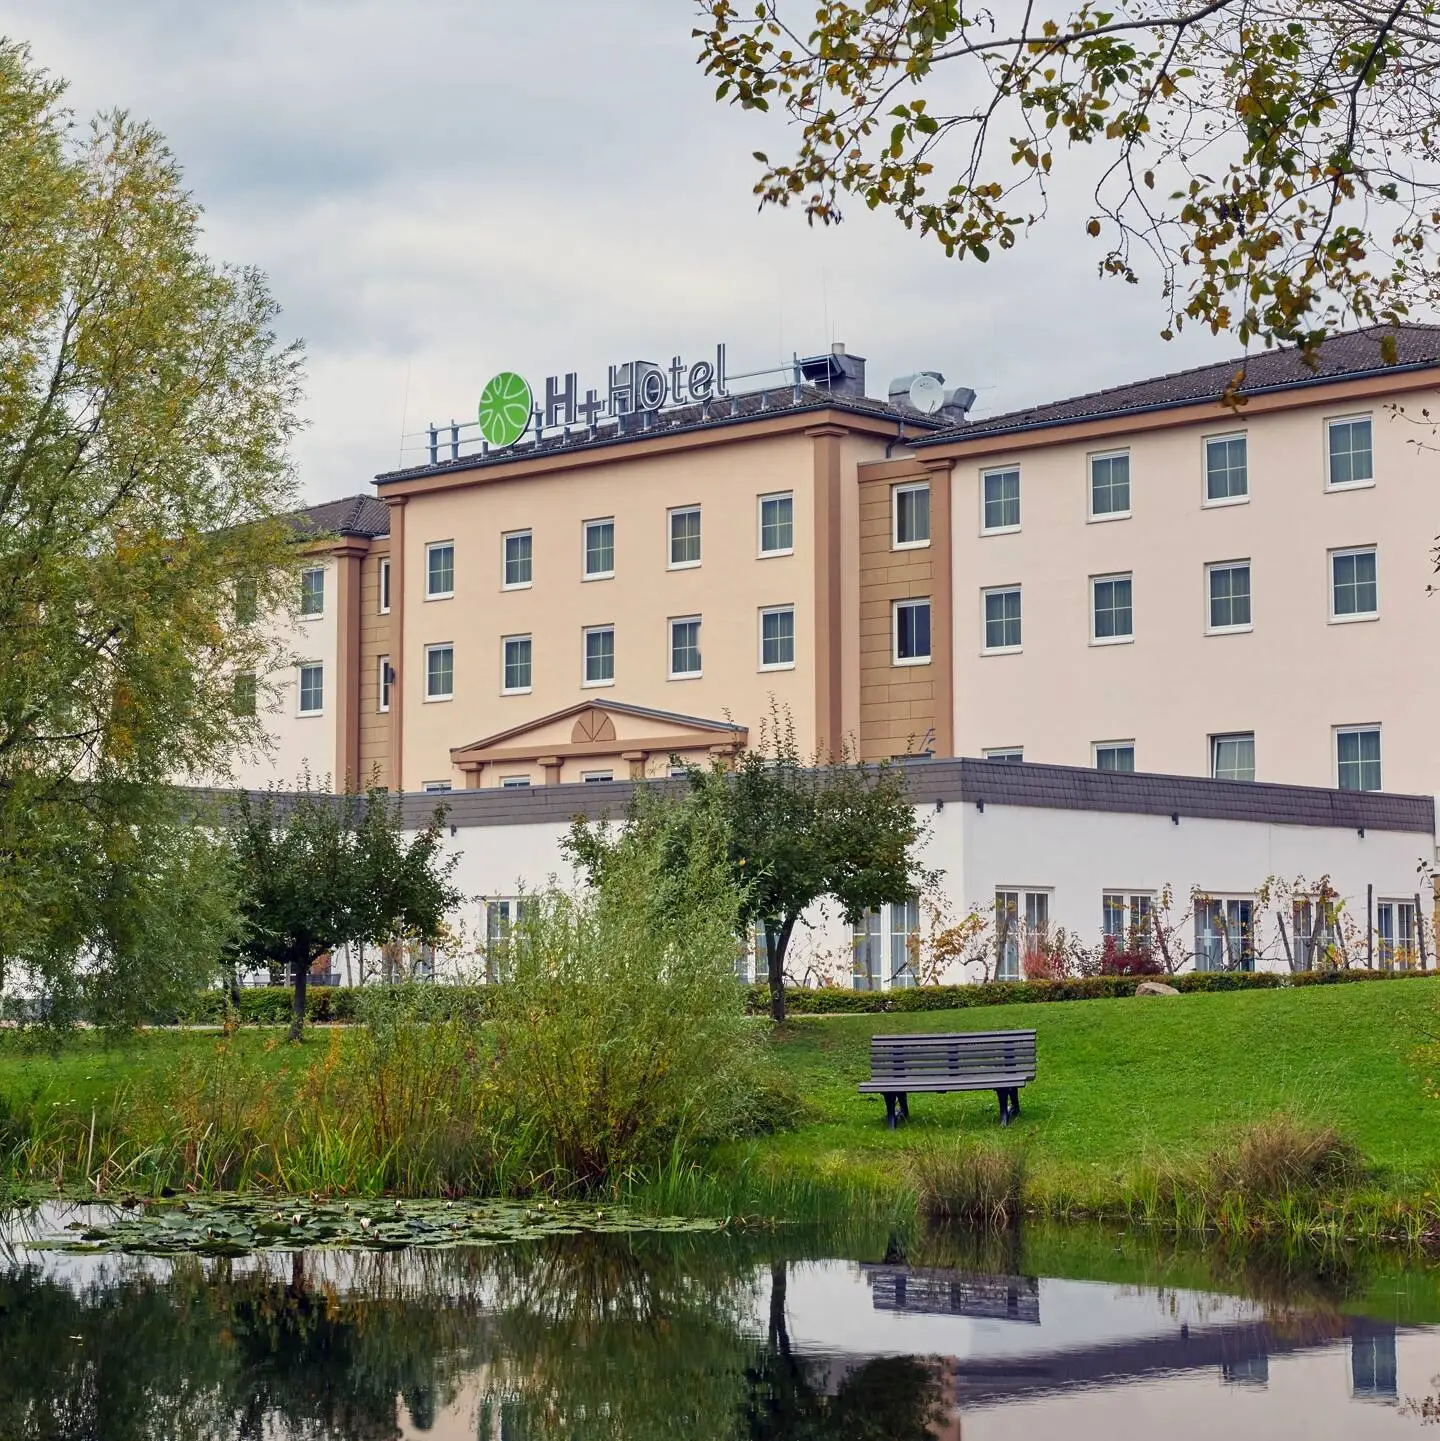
[594,733]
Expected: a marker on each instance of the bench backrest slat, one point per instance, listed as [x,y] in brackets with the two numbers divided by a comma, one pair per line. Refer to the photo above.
[960,1054]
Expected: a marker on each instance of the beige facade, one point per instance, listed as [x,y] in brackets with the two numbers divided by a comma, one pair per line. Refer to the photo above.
[1287,668]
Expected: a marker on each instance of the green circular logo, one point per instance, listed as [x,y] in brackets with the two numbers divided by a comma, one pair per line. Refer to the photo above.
[505,409]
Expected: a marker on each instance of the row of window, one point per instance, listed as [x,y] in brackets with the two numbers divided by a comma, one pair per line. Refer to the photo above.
[1349,454]
[1354,595]
[597,655]
[1232,756]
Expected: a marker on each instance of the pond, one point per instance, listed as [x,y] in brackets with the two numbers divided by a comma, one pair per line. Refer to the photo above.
[630,1333]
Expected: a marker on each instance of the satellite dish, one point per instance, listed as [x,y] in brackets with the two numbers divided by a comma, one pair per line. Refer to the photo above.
[927,394]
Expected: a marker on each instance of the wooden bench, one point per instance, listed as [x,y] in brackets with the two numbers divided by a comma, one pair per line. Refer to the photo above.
[999,1061]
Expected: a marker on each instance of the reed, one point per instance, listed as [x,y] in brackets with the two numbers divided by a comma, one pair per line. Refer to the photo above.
[982,1183]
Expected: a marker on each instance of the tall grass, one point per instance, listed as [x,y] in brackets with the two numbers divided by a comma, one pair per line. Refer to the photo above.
[981,1183]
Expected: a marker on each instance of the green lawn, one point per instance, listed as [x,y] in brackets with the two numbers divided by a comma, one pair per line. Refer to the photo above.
[1122,1080]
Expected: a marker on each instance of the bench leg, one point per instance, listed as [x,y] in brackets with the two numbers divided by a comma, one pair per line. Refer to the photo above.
[904,1106]
[1003,1096]
[890,1109]
[1014,1102]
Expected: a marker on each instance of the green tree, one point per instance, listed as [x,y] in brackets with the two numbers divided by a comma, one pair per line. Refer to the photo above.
[319,871]
[801,833]
[145,412]
[1275,163]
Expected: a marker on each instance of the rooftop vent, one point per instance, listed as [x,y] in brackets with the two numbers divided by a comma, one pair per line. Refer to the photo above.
[836,372]
[925,391]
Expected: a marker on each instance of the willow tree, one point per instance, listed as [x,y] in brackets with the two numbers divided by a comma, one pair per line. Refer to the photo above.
[1274,163]
[145,411]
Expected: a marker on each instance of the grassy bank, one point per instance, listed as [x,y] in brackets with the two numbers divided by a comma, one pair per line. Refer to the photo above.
[1142,1108]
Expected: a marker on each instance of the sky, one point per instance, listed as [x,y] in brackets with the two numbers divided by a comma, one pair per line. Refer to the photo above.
[443,189]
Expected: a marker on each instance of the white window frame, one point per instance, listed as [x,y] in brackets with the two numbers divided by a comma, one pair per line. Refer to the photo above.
[1390,949]
[436,788]
[300,668]
[1112,639]
[1333,420]
[1014,754]
[760,551]
[1224,902]
[324,593]
[883,932]
[382,692]
[439,696]
[1025,895]
[585,682]
[505,538]
[1210,570]
[1220,502]
[1350,730]
[585,573]
[1216,738]
[910,487]
[1097,746]
[895,608]
[384,599]
[1136,921]
[760,637]
[597,778]
[430,548]
[514,783]
[1360,616]
[985,647]
[1019,498]
[670,516]
[505,641]
[1092,516]
[670,623]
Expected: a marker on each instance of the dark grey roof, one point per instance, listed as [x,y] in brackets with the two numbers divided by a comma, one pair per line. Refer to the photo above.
[1004,783]
[755,405]
[1346,356]
[355,515]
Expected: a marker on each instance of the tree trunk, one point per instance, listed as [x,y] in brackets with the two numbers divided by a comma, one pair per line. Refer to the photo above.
[776,945]
[301,969]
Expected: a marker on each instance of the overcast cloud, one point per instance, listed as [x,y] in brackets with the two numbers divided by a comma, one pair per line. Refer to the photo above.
[439,190]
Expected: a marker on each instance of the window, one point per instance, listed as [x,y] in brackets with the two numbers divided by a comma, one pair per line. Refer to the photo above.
[599,549]
[383,677]
[1232,757]
[1110,486]
[1005,753]
[502,919]
[440,570]
[244,693]
[685,537]
[1114,755]
[1351,461]
[1002,618]
[1224,934]
[1354,592]
[1228,587]
[312,591]
[1395,935]
[519,555]
[439,672]
[885,943]
[514,783]
[435,788]
[1227,476]
[912,632]
[1126,916]
[777,524]
[1357,758]
[1112,618]
[600,655]
[1022,924]
[911,515]
[385,587]
[515,675]
[312,689]
[1313,944]
[596,777]
[777,638]
[247,602]
[684,647]
[1000,491]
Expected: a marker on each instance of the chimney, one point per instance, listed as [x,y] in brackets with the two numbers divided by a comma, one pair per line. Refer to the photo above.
[839,373]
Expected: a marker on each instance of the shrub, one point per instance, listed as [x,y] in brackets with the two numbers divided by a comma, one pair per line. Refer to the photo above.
[978,1182]
[1282,1156]
[1134,961]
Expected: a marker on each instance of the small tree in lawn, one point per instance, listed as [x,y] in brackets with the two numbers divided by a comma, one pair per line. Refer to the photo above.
[319,871]
[804,833]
